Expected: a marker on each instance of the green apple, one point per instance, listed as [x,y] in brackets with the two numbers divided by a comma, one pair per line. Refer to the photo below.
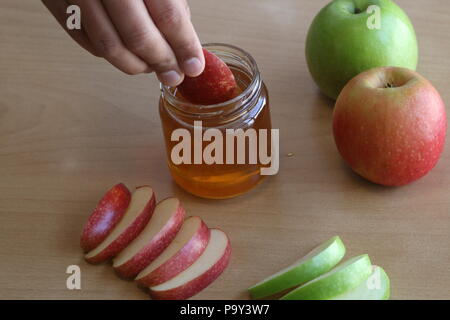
[345,39]
[341,279]
[376,287]
[320,260]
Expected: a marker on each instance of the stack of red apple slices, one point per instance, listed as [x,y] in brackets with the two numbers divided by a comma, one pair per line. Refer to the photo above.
[173,257]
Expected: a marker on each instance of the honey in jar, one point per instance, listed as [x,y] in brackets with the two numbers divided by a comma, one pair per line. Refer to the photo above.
[234,165]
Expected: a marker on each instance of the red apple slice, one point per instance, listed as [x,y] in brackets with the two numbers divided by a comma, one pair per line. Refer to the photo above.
[133,222]
[105,217]
[157,235]
[215,85]
[200,274]
[187,246]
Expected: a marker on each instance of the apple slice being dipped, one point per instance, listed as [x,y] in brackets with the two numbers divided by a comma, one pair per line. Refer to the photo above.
[185,248]
[215,85]
[157,235]
[341,279]
[200,274]
[315,263]
[105,217]
[133,221]
[376,287]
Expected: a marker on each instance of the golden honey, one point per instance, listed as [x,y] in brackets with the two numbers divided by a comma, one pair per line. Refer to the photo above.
[228,175]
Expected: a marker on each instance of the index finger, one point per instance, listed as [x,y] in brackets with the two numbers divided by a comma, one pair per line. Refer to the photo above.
[173,20]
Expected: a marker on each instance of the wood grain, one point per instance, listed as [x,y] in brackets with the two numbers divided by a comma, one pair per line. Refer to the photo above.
[71,126]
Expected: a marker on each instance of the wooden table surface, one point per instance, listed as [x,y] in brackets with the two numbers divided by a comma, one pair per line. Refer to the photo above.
[71,126]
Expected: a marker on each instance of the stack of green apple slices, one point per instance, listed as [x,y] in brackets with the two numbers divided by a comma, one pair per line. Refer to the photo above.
[315,279]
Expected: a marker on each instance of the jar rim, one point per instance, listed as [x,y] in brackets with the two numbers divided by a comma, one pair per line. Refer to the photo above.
[165,90]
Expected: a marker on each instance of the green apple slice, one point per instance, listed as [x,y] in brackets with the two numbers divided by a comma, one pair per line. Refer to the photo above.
[341,279]
[320,260]
[376,287]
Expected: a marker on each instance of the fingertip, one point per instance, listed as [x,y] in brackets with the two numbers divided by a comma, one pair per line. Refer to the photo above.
[193,67]
[170,78]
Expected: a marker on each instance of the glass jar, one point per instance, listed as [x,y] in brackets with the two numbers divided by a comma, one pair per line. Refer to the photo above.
[199,162]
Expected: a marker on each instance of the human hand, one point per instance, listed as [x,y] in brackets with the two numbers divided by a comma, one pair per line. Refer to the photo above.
[138,36]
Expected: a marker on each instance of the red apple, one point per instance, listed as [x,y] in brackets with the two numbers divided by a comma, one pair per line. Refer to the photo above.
[133,222]
[389,125]
[215,85]
[157,235]
[105,216]
[200,274]
[187,246]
